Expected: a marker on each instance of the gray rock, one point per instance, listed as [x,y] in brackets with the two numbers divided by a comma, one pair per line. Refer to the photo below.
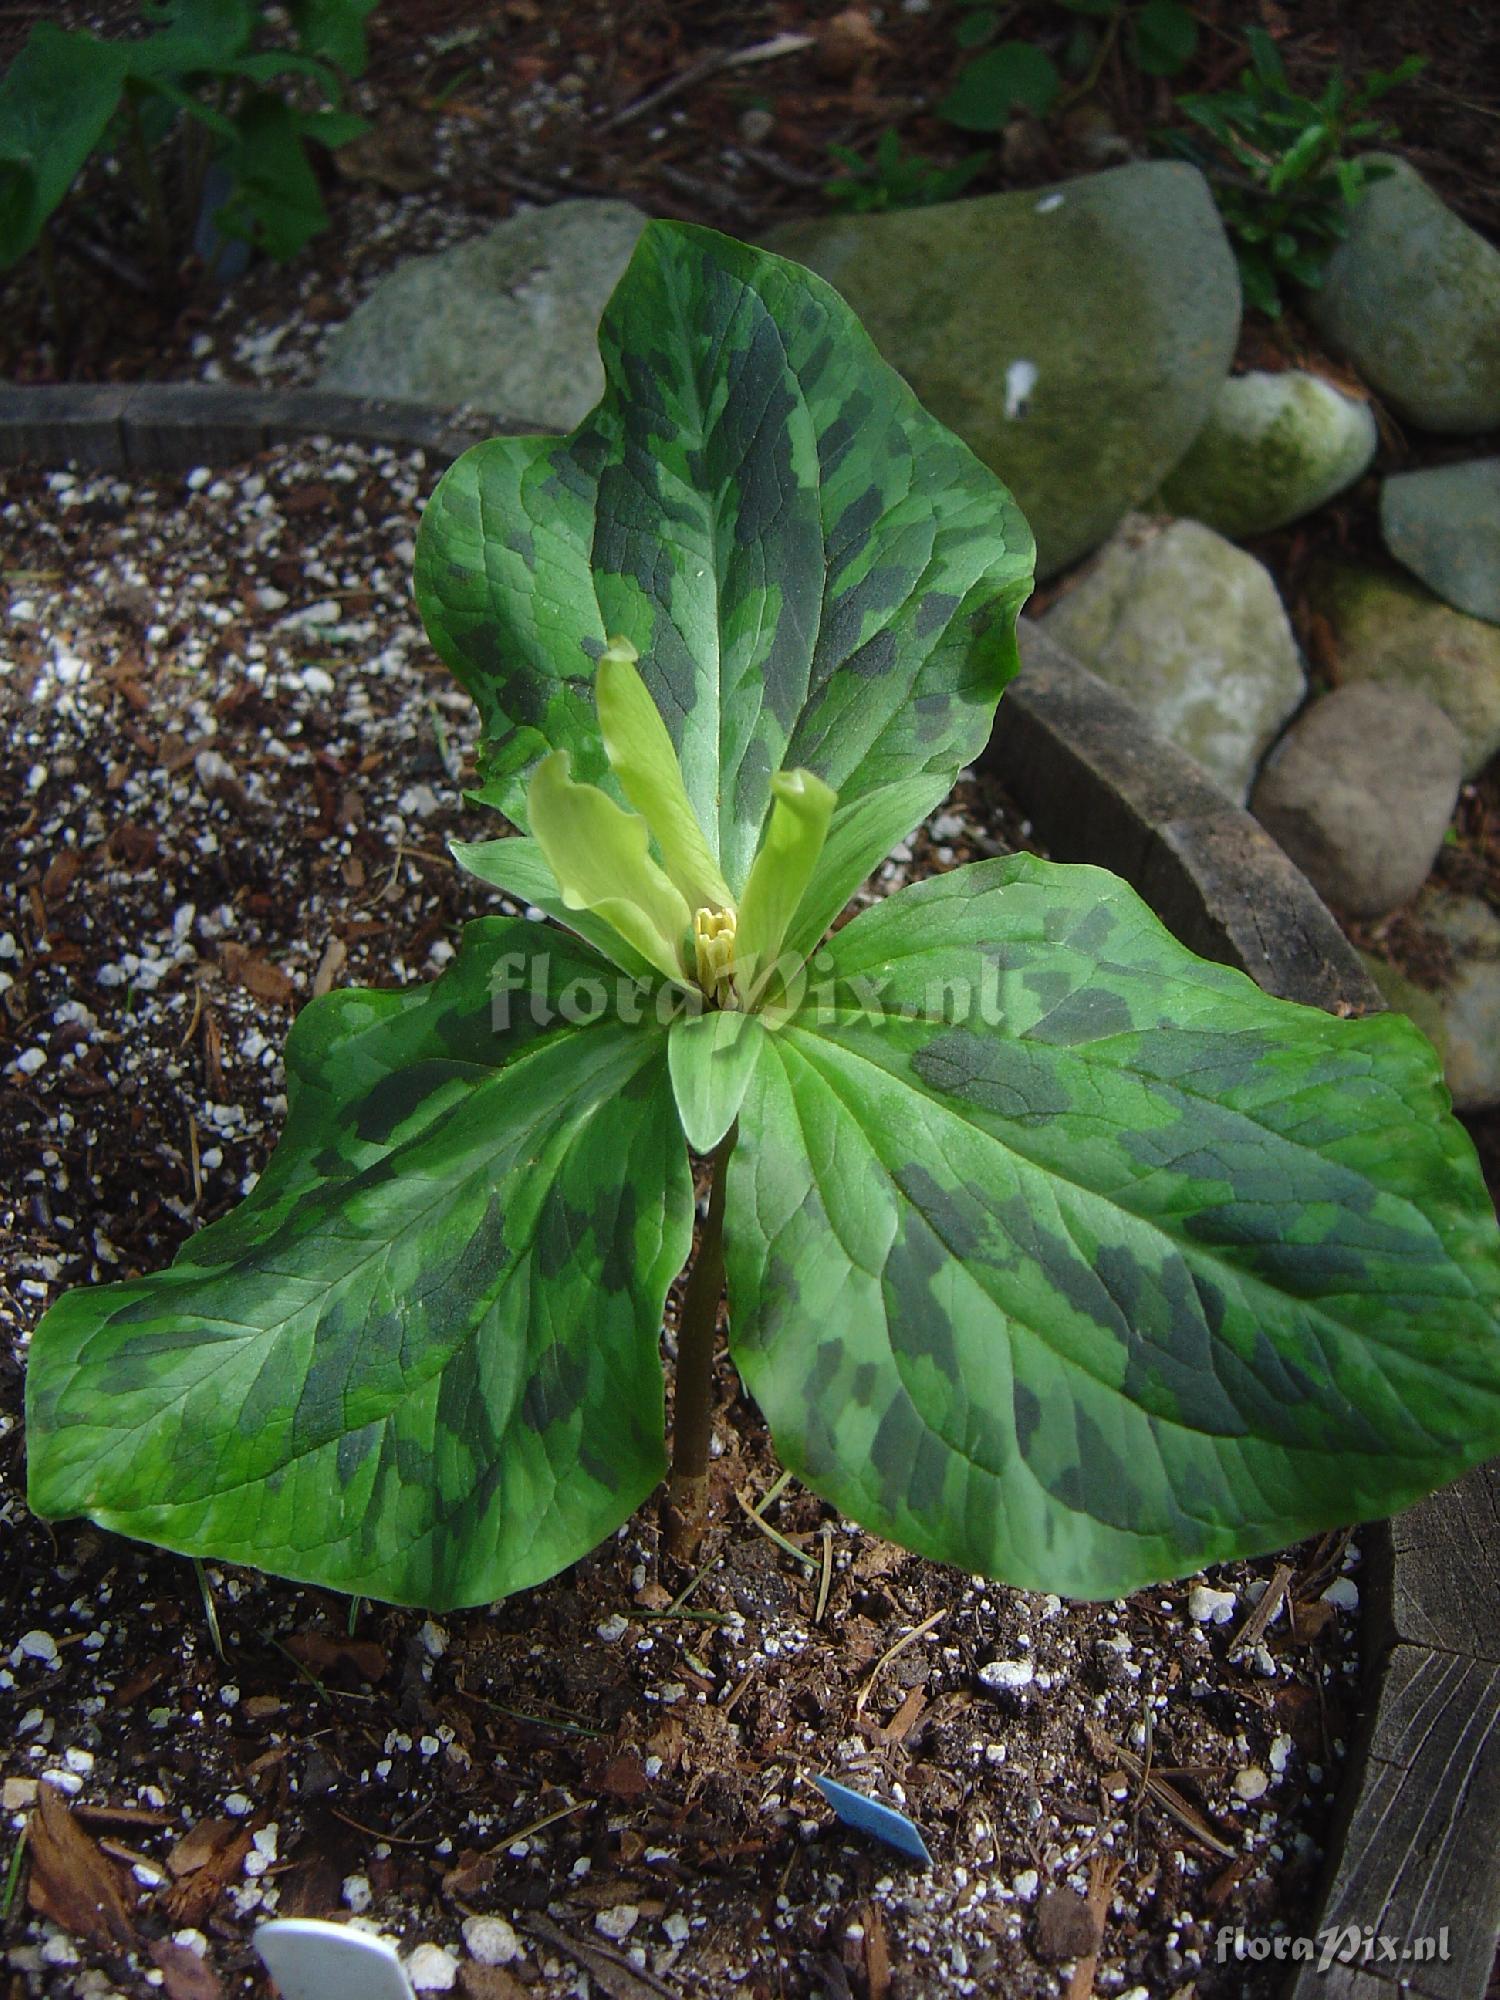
[1461,1019]
[1412,297]
[1444,524]
[507,322]
[1191,628]
[1074,337]
[1360,791]
[1387,628]
[1274,448]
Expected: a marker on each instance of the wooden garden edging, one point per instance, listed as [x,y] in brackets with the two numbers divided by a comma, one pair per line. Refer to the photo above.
[1419,1821]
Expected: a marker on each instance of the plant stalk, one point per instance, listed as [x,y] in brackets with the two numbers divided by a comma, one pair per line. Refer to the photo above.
[148,184]
[685,1514]
[46,250]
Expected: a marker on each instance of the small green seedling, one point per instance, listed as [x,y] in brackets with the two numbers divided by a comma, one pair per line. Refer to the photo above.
[69,92]
[1280,175]
[1050,1250]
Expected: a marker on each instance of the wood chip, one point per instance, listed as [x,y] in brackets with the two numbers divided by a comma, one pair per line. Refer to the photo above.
[71,1881]
[256,975]
[184,1975]
[330,965]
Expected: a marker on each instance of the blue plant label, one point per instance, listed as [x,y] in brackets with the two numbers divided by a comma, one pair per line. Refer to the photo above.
[870,1816]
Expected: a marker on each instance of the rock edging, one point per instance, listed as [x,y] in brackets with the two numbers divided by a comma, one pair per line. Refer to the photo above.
[1419,1814]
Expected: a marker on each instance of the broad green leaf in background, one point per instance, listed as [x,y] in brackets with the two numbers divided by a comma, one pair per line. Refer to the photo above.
[56,100]
[1164,36]
[335,29]
[1085,1262]
[813,571]
[988,90]
[421,1361]
[276,196]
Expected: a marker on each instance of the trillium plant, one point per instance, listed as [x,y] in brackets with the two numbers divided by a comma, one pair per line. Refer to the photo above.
[1049,1249]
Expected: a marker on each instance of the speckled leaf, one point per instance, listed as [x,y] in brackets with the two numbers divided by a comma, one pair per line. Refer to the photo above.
[421,1361]
[813,570]
[1146,1271]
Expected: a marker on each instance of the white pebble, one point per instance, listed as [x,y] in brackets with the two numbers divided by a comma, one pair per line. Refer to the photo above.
[431,1969]
[1008,1674]
[30,1061]
[237,1805]
[1251,1783]
[434,1639]
[614,1627]
[491,1940]
[357,1893]
[618,1923]
[1343,1594]
[317,680]
[1026,1883]
[81,1761]
[1207,1606]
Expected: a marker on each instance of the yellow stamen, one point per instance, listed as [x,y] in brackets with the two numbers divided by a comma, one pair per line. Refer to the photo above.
[713,942]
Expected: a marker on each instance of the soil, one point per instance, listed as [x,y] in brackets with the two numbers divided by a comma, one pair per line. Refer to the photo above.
[231,766]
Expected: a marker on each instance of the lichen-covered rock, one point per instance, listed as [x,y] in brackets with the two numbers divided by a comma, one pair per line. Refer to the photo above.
[1274,448]
[508,322]
[1462,1018]
[1191,628]
[1443,523]
[1360,791]
[1387,628]
[1074,337]
[1412,297]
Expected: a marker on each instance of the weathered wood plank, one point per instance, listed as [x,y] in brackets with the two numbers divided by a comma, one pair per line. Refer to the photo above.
[1446,1588]
[1101,785]
[174,426]
[1421,1848]
[74,424]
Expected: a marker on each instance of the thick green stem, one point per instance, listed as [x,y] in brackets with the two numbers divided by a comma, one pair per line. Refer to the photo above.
[686,1511]
[148,183]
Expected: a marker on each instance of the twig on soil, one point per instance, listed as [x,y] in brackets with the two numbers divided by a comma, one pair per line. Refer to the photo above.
[780,169]
[536,1825]
[907,1639]
[611,1973]
[1172,1802]
[698,72]
[1249,1635]
[210,1609]
[774,1534]
[826,1580]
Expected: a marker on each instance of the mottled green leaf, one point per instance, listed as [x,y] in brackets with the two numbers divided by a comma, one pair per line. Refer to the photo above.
[1143,1271]
[712,1057]
[421,1361]
[813,571]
